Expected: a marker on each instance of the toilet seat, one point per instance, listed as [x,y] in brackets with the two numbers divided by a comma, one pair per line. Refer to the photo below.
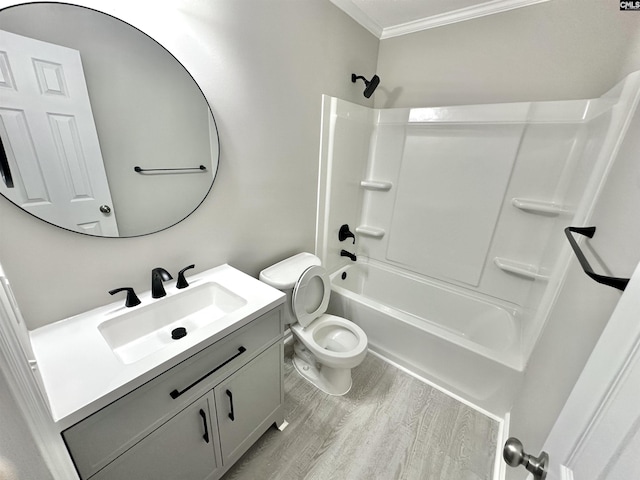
[303,295]
[347,358]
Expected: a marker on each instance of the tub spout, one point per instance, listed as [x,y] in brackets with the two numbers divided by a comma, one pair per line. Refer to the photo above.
[344,253]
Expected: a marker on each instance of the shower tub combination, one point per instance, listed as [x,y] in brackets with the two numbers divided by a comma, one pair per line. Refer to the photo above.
[457,341]
[458,215]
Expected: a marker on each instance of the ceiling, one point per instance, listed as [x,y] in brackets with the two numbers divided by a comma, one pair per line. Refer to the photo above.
[392,18]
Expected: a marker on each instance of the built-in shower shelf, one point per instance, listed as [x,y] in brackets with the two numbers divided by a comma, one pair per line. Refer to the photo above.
[376,185]
[372,232]
[518,268]
[538,206]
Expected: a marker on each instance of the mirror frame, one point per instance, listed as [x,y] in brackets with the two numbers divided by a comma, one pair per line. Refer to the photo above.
[216,140]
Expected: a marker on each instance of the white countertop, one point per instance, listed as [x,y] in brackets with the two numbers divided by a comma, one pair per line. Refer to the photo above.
[80,372]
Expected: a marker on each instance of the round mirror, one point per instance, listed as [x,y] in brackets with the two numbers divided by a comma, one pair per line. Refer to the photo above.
[103,132]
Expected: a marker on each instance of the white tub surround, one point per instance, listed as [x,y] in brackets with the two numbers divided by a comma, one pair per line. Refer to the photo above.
[458,341]
[82,373]
[471,201]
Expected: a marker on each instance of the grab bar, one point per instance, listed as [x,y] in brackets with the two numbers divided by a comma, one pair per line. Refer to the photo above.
[615,282]
[198,169]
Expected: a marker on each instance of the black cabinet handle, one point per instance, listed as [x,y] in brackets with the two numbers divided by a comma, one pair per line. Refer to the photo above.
[615,282]
[205,437]
[231,415]
[175,393]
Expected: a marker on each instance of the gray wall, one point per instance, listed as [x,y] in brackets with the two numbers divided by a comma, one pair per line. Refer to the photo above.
[558,50]
[263,65]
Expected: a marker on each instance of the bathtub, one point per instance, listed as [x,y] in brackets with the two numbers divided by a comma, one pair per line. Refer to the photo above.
[462,343]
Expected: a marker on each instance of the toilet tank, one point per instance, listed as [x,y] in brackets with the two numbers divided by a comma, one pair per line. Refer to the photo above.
[284,275]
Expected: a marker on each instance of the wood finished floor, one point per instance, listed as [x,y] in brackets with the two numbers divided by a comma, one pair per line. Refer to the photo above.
[389,426]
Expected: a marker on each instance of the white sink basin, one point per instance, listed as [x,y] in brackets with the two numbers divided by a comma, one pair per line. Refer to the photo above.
[141,331]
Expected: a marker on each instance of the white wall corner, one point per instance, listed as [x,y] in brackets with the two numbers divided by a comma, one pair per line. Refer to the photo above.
[359,16]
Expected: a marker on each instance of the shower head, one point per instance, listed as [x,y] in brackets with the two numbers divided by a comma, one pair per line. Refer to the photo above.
[370,85]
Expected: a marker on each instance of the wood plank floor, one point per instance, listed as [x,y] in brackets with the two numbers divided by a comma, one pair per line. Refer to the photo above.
[389,426]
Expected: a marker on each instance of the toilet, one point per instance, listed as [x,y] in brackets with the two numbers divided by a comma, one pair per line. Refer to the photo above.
[326,347]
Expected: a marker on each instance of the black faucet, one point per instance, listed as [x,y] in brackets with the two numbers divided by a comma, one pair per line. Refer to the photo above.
[159,275]
[182,282]
[345,233]
[132,299]
[344,253]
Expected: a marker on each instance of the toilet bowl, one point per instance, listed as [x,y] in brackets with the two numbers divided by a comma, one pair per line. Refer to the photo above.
[326,347]
[335,345]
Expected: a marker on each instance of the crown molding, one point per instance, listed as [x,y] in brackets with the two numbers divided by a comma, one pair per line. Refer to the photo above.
[461,15]
[488,8]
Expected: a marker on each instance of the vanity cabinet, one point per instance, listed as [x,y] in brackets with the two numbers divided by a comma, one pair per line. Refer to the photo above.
[193,421]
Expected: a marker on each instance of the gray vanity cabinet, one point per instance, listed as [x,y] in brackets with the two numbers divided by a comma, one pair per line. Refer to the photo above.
[182,448]
[229,395]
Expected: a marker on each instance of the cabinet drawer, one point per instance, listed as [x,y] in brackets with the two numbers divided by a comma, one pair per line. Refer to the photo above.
[97,440]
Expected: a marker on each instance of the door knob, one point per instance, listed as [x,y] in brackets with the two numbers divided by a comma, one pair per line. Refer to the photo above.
[106,209]
[515,455]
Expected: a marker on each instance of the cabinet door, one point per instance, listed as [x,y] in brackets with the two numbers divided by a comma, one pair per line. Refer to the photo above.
[185,448]
[246,402]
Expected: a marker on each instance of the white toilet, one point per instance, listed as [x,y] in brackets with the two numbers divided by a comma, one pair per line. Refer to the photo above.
[326,347]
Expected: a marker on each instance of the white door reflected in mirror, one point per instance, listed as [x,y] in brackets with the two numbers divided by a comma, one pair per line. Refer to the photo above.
[50,137]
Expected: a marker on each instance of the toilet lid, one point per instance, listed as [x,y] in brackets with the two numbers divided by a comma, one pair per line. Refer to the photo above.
[311,295]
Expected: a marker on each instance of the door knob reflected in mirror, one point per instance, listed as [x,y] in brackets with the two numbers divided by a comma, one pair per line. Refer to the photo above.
[106,209]
[515,455]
